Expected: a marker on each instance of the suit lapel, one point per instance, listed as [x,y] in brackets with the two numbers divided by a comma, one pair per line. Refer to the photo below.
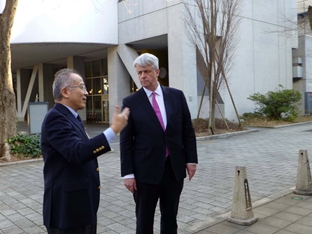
[168,103]
[147,107]
[63,109]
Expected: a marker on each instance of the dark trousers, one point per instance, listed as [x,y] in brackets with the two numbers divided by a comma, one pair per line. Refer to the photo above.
[89,229]
[146,197]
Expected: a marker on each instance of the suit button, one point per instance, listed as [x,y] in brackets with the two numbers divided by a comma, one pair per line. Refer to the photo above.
[103,147]
[99,187]
[94,151]
[97,169]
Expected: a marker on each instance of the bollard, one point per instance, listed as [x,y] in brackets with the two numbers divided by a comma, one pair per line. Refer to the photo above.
[241,205]
[303,184]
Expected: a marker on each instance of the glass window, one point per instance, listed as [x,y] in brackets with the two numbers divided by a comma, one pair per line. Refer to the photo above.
[97,88]
[104,67]
[88,70]
[105,85]
[89,105]
[96,68]
[89,86]
[96,80]
[97,107]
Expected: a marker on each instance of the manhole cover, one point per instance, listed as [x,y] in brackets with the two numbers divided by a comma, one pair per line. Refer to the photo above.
[296,198]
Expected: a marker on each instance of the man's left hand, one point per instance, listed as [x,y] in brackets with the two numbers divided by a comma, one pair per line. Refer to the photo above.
[191,169]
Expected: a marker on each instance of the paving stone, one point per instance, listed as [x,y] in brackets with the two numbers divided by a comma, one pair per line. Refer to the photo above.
[287,216]
[298,210]
[298,228]
[270,157]
[275,222]
[260,228]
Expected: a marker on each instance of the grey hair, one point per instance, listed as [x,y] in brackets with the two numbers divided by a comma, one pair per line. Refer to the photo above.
[146,59]
[61,80]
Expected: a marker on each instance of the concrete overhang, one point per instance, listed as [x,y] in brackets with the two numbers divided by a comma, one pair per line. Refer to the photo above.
[30,54]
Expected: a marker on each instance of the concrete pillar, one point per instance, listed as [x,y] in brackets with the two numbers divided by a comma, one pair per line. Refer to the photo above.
[304,183]
[46,95]
[24,86]
[18,96]
[118,80]
[182,58]
[40,83]
[241,205]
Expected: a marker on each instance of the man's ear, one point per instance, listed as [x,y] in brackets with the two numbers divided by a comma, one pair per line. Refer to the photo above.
[65,92]
[157,72]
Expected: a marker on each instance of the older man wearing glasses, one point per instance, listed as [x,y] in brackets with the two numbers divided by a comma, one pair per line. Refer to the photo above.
[71,172]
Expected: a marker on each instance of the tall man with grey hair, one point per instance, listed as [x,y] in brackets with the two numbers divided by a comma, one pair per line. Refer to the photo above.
[158,147]
[71,172]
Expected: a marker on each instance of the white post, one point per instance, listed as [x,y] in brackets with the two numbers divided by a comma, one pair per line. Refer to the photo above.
[303,184]
[241,213]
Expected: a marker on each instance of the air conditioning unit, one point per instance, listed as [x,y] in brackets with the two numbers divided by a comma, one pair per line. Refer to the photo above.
[297,61]
[297,71]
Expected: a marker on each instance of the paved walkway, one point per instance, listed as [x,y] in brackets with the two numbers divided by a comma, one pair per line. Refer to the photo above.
[270,156]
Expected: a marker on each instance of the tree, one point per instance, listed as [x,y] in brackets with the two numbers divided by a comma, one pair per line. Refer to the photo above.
[212,28]
[7,96]
[310,16]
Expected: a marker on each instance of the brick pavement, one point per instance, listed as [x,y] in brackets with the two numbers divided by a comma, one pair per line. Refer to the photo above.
[270,157]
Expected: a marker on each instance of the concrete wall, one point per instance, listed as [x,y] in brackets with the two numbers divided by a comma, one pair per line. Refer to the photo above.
[263,58]
[140,19]
[38,21]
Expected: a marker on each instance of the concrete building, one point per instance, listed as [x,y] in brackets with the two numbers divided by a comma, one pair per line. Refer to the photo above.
[302,58]
[101,38]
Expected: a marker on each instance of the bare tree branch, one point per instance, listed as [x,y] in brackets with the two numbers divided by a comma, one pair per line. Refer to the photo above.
[212,26]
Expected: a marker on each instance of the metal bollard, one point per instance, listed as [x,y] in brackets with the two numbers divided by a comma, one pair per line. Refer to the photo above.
[241,205]
[304,183]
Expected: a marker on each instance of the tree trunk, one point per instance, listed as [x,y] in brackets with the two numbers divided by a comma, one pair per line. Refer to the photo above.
[310,16]
[7,96]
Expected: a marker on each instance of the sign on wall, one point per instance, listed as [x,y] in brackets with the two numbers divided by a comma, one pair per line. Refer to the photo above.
[36,114]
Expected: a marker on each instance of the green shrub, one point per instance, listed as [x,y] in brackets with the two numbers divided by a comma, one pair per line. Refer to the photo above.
[277,105]
[25,145]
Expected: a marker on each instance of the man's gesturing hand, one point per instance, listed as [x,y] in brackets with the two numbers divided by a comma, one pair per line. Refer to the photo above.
[120,120]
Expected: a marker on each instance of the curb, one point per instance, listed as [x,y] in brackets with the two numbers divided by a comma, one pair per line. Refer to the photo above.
[282,126]
[225,135]
[21,162]
[222,217]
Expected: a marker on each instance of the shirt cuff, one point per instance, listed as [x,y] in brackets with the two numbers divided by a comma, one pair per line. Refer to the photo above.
[110,135]
[130,176]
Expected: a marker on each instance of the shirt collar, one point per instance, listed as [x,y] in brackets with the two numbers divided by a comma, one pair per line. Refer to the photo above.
[75,114]
[158,91]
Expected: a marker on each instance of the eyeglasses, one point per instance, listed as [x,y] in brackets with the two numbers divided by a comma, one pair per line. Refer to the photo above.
[81,86]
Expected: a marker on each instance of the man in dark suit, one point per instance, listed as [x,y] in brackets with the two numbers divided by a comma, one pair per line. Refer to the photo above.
[71,172]
[157,147]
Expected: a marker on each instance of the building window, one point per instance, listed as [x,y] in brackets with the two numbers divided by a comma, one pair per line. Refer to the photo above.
[98,90]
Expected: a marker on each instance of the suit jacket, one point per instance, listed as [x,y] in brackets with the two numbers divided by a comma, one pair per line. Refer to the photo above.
[143,142]
[71,173]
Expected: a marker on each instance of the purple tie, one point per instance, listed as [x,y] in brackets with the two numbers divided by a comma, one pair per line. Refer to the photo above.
[157,110]
[158,113]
